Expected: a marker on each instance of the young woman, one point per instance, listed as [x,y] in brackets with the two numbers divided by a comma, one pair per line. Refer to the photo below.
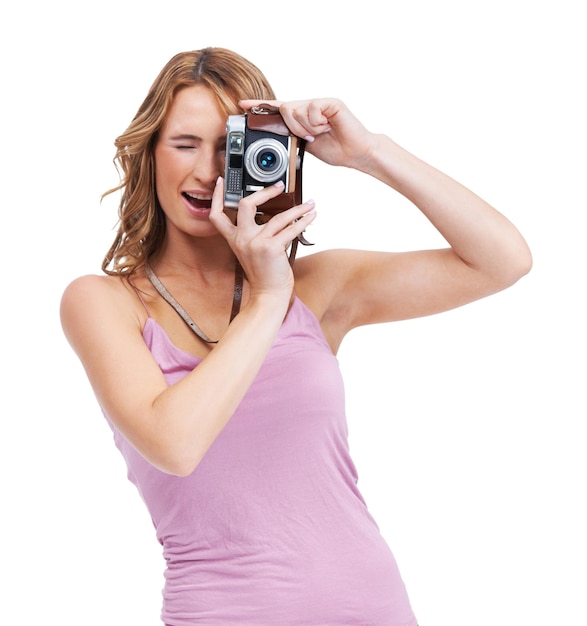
[228,405]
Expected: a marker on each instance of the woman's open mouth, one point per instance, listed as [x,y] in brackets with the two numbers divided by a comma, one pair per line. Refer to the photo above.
[198,201]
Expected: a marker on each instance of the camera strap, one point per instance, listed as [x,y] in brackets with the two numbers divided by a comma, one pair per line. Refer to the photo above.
[236,299]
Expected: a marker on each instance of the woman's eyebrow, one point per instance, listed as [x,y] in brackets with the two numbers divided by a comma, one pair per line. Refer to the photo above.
[185,137]
[190,137]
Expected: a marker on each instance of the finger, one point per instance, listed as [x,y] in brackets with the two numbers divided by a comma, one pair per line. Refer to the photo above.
[295,116]
[310,114]
[247,207]
[218,217]
[305,119]
[289,224]
[281,220]
[316,115]
[296,227]
[249,104]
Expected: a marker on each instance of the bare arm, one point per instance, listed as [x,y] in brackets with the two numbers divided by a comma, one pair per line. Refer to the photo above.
[485,252]
[173,426]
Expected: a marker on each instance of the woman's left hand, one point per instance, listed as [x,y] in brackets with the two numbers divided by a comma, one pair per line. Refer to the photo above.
[333,133]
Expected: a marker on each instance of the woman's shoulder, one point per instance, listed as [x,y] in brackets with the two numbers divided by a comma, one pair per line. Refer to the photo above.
[98,299]
[327,267]
[94,287]
[310,267]
[321,276]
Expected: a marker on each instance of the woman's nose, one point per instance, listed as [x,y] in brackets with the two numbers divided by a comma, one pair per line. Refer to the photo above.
[209,167]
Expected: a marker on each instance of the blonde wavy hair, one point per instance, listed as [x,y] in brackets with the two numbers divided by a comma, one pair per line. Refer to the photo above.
[141,225]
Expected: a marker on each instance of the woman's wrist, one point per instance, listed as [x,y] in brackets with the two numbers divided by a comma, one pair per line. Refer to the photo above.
[379,157]
[400,169]
[270,304]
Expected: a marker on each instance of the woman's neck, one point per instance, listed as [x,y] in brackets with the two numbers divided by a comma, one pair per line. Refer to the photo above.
[205,255]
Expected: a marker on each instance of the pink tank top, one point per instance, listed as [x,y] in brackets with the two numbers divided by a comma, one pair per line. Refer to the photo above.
[270,528]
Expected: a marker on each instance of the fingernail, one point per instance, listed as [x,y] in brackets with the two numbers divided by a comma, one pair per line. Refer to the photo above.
[309,138]
[310,202]
[219,180]
[279,183]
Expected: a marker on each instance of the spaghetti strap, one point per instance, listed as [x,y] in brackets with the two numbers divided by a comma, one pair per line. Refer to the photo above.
[140,297]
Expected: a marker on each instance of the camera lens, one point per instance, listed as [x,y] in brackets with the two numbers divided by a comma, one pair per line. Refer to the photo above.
[266,160]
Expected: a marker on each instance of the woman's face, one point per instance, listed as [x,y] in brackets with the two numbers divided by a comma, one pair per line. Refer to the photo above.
[189,158]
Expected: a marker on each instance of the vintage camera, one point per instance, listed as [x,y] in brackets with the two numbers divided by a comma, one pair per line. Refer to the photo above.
[260,151]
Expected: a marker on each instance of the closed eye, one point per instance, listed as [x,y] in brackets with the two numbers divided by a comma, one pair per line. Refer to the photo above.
[179,141]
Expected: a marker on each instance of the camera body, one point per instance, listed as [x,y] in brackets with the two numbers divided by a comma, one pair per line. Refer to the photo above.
[260,151]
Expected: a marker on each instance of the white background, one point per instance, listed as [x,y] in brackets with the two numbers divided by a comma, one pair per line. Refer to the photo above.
[467,427]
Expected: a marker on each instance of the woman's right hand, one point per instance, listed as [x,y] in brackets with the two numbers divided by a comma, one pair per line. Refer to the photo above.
[261,248]
[172,426]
